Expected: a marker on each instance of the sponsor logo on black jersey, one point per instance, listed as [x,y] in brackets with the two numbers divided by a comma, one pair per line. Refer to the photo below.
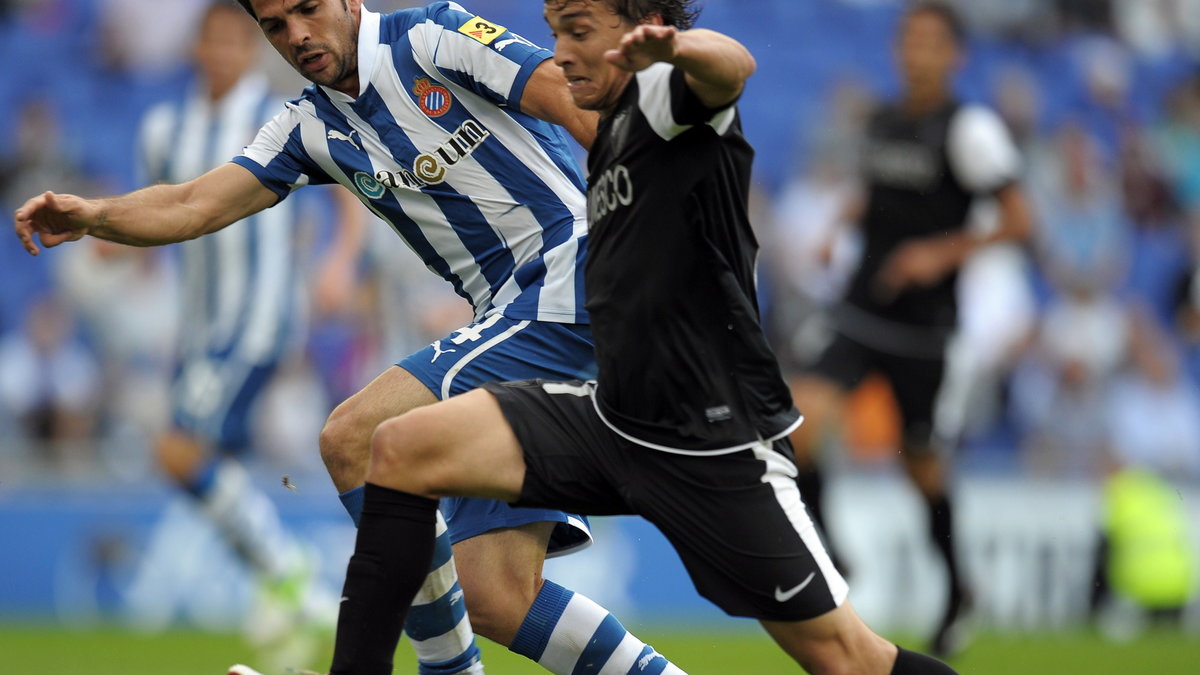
[903,165]
[612,190]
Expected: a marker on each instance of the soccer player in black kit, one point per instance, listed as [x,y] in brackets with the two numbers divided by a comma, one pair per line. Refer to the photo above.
[926,159]
[688,421]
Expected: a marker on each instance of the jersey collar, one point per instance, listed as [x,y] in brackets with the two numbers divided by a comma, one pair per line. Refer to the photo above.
[368,48]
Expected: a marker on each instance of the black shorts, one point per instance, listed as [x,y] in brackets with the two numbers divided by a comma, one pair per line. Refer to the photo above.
[735,519]
[915,382]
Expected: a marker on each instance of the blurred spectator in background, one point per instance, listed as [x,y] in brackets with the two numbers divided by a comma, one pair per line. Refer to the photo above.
[1155,28]
[1082,237]
[927,158]
[1144,562]
[1060,388]
[127,45]
[1154,407]
[49,385]
[1178,142]
[127,300]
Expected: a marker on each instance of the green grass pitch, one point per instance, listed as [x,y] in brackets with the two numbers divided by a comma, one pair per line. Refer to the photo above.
[56,651]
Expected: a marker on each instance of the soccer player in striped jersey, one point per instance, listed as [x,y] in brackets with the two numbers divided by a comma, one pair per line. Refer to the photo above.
[440,121]
[688,421]
[241,314]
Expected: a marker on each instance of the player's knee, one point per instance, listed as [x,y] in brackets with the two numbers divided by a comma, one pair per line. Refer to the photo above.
[405,453]
[344,436]
[178,456]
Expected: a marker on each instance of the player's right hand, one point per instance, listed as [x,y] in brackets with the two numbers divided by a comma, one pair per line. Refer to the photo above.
[55,218]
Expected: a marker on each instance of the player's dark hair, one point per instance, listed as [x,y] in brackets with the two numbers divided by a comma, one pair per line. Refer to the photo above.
[679,13]
[246,6]
[943,11]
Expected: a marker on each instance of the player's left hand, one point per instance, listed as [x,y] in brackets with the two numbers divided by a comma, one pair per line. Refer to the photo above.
[644,46]
[916,263]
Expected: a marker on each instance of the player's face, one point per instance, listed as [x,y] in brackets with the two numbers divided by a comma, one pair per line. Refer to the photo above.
[318,37]
[583,31]
[226,47]
[927,52]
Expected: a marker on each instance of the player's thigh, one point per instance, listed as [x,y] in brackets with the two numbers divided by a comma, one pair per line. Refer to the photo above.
[915,383]
[837,641]
[741,530]
[460,447]
[393,392]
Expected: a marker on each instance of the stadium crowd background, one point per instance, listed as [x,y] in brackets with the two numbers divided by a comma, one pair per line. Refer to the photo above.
[1080,352]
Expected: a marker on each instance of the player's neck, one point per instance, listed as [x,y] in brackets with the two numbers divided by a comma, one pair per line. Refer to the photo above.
[919,102]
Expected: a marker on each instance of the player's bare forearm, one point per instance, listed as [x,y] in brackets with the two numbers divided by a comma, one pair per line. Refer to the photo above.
[717,66]
[1016,218]
[152,216]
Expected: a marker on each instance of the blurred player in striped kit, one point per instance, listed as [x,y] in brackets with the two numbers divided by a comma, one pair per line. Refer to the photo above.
[241,315]
[440,122]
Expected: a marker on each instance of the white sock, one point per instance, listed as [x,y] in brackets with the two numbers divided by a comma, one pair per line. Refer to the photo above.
[437,623]
[566,633]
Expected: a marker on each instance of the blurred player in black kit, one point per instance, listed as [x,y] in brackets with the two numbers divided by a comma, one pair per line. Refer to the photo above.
[927,158]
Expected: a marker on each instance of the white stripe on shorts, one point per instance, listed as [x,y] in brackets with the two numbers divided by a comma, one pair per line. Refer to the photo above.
[781,476]
[474,353]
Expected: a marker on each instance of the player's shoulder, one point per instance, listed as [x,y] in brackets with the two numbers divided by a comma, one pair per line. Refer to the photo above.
[975,119]
[446,13]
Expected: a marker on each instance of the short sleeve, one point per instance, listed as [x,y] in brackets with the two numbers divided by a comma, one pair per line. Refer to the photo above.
[277,156]
[981,152]
[478,54]
[671,107]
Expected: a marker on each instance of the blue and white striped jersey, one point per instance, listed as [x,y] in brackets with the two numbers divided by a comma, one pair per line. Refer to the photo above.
[240,296]
[491,199]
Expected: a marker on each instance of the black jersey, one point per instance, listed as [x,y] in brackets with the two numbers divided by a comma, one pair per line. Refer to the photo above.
[922,174]
[670,275]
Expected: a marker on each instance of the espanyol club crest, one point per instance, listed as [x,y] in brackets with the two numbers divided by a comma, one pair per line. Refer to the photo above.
[433,99]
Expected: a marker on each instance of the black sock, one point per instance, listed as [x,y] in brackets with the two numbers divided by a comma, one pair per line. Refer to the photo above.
[912,663]
[391,558]
[941,530]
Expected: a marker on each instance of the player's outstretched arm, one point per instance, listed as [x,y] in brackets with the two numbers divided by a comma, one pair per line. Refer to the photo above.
[152,216]
[547,98]
[716,65]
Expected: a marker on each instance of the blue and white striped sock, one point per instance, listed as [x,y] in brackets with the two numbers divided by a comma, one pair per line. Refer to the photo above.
[437,624]
[569,634]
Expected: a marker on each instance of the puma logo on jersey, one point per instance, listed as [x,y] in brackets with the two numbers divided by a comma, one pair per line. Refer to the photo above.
[335,135]
[648,659]
[438,351]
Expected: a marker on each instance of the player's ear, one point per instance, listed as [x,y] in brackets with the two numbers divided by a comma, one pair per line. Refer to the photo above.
[653,20]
